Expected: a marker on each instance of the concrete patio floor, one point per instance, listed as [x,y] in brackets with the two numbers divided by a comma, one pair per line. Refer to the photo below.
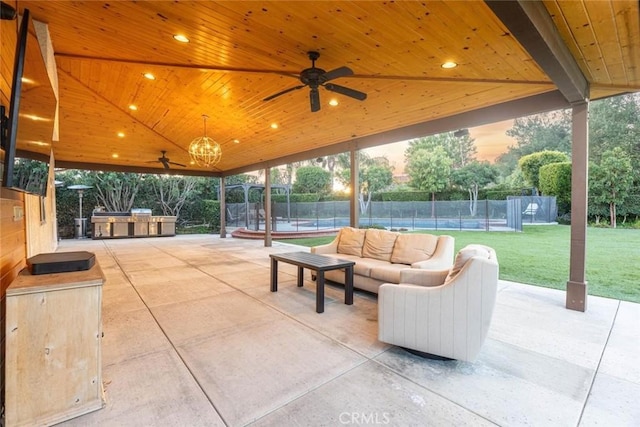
[194,337]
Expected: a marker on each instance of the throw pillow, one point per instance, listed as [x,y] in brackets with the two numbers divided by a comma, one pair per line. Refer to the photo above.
[351,241]
[464,255]
[378,244]
[410,248]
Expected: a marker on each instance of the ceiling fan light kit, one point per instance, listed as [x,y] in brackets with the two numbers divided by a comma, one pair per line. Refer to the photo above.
[205,151]
[315,77]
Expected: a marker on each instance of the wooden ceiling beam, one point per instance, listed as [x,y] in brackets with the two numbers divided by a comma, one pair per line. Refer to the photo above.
[529,22]
[134,169]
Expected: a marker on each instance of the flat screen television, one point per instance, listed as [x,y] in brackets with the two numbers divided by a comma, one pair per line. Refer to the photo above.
[10,125]
[28,128]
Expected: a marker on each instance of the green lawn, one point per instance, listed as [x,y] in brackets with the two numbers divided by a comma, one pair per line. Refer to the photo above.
[540,256]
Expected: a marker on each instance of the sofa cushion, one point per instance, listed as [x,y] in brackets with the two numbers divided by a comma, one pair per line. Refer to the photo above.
[464,255]
[410,248]
[362,267]
[378,244]
[351,241]
[389,273]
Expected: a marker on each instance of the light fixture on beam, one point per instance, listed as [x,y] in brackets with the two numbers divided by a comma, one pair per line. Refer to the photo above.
[461,133]
[204,151]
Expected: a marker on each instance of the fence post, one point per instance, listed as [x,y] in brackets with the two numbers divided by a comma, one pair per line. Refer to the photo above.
[334,214]
[486,214]
[413,217]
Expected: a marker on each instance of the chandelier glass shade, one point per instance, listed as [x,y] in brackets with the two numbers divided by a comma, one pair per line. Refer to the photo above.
[205,151]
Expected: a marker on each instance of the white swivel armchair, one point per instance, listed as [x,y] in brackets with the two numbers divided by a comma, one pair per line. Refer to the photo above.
[444,314]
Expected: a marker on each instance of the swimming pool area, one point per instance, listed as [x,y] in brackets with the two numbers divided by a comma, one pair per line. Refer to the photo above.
[488,215]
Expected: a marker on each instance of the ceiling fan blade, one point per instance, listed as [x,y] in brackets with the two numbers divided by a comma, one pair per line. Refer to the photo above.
[338,72]
[178,164]
[314,97]
[275,95]
[356,94]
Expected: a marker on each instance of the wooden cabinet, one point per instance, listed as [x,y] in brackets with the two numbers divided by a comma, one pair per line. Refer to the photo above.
[53,353]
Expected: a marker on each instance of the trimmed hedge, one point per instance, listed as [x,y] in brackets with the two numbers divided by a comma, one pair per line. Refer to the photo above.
[555,180]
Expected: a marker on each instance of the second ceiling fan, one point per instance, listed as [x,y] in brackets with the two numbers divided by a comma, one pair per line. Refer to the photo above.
[316,77]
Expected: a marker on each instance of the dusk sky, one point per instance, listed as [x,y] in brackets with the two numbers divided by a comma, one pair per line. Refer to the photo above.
[491,141]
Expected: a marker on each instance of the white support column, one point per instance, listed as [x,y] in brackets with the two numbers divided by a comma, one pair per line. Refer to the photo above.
[267,207]
[577,284]
[354,208]
[223,209]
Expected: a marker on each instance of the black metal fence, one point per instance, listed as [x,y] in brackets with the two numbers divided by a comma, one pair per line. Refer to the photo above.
[489,215]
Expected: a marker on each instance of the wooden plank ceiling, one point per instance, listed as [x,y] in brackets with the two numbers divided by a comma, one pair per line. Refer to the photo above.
[241,52]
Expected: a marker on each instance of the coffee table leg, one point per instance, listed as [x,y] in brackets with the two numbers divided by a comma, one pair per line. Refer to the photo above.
[300,276]
[274,275]
[348,287]
[320,292]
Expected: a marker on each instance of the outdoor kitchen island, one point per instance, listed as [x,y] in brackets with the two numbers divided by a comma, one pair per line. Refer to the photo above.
[137,223]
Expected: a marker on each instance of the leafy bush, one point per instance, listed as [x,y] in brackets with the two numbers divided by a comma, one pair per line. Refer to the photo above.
[530,164]
[211,214]
[555,180]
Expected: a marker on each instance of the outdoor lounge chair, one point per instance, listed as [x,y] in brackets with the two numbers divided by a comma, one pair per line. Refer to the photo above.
[442,314]
[531,210]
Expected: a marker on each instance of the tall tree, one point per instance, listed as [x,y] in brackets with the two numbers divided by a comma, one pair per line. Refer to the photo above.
[312,179]
[540,132]
[611,180]
[471,178]
[461,150]
[429,170]
[116,191]
[173,192]
[373,179]
[615,122]
[375,174]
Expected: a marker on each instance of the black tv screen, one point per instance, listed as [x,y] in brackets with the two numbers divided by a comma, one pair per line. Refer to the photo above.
[9,136]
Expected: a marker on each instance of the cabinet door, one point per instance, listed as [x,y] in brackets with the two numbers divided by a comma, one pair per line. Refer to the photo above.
[53,356]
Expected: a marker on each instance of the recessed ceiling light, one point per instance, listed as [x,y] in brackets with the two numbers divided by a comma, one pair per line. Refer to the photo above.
[114,155]
[236,141]
[181,38]
[449,64]
[149,76]
[274,126]
[333,102]
[121,134]
[40,143]
[35,118]
[192,162]
[133,107]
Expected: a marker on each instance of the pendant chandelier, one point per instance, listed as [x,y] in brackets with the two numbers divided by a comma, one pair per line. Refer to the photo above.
[204,150]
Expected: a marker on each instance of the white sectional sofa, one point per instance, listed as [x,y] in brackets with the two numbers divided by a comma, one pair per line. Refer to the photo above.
[382,256]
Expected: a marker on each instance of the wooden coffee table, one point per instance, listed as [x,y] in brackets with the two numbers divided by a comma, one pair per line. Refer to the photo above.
[320,264]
